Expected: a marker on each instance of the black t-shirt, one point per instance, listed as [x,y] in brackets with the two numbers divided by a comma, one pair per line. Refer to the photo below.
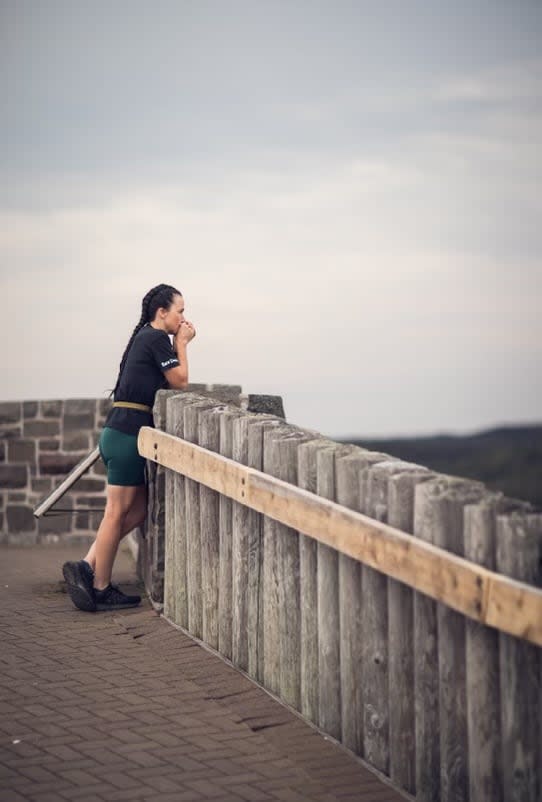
[150,354]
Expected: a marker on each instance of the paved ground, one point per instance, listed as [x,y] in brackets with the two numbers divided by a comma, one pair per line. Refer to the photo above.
[122,706]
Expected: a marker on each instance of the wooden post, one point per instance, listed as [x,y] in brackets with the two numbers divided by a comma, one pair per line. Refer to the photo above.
[282,618]
[193,526]
[519,555]
[348,469]
[401,639]
[482,661]
[308,583]
[225,544]
[170,546]
[329,634]
[245,539]
[375,669]
[175,600]
[426,690]
[209,437]
[255,595]
[449,534]
[439,638]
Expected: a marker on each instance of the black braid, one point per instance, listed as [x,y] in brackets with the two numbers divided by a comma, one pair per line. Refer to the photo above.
[159,297]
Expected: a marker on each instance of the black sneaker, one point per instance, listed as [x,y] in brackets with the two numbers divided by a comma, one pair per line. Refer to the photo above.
[79,578]
[112,598]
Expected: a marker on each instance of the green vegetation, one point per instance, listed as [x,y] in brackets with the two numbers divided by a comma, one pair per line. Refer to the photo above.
[507,459]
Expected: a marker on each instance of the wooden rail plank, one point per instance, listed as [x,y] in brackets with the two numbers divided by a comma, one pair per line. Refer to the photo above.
[511,606]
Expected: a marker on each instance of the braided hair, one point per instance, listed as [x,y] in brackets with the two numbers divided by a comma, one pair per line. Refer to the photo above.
[159,297]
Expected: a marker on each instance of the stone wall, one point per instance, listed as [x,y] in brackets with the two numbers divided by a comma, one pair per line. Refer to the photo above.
[40,442]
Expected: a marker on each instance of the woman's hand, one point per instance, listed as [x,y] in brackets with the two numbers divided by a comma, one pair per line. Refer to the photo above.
[185,332]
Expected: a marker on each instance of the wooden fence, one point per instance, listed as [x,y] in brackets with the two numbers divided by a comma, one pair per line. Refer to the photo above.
[397,609]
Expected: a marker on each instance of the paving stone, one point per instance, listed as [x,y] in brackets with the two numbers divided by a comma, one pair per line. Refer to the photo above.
[151,730]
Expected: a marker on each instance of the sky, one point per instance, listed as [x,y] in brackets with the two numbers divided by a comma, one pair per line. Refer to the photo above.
[346,193]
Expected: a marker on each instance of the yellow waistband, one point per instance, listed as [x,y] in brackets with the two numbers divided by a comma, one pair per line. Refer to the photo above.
[132,405]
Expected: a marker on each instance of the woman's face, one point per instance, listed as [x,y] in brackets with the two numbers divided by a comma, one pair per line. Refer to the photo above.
[174,315]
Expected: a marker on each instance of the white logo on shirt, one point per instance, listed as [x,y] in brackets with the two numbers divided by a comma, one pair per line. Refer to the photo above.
[168,362]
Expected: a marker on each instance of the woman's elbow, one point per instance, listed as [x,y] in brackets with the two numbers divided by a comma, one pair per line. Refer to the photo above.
[178,384]
[177,378]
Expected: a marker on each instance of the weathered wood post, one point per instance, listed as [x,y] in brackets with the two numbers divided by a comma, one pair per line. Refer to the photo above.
[245,550]
[255,596]
[482,659]
[401,491]
[426,689]
[282,617]
[175,601]
[375,659]
[193,523]
[348,469]
[449,535]
[329,632]
[209,437]
[519,555]
[440,679]
[225,544]
[308,585]
[379,648]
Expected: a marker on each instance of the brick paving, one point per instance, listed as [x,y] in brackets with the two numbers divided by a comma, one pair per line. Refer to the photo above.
[122,706]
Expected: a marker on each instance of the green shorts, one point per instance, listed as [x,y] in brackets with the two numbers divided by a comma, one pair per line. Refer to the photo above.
[125,466]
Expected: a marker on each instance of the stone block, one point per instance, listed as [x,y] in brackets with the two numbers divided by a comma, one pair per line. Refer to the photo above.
[49,445]
[18,497]
[82,421]
[13,476]
[55,524]
[10,432]
[58,463]
[228,393]
[269,404]
[97,502]
[20,519]
[80,406]
[41,428]
[95,520]
[22,451]
[10,412]
[30,409]
[75,441]
[90,485]
[41,485]
[51,409]
[82,520]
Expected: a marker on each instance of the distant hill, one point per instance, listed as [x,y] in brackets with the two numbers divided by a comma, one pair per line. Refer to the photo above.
[508,458]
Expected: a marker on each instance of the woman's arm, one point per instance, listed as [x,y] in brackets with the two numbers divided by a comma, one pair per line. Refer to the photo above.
[177,377]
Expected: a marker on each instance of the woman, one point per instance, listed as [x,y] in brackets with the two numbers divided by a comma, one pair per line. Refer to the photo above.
[149,362]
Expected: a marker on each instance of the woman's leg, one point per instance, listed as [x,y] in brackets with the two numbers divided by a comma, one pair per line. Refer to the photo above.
[134,517]
[121,501]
